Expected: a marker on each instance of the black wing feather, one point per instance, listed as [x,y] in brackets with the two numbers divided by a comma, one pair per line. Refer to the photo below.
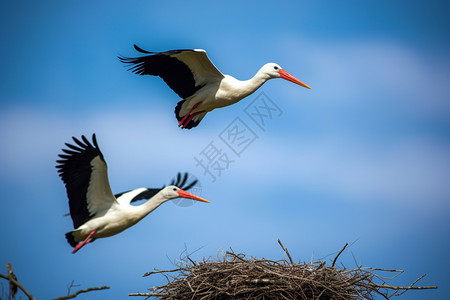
[147,194]
[78,142]
[174,72]
[73,147]
[150,192]
[75,171]
[141,50]
[193,183]
[178,179]
[183,181]
[69,151]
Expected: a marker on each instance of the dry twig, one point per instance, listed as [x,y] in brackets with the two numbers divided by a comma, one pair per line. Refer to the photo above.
[82,291]
[14,283]
[343,248]
[12,286]
[286,251]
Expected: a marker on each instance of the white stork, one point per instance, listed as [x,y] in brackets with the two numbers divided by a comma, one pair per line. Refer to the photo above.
[203,88]
[95,211]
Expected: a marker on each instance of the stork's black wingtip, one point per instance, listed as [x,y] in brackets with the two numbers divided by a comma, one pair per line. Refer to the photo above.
[85,140]
[190,125]
[141,50]
[138,48]
[71,239]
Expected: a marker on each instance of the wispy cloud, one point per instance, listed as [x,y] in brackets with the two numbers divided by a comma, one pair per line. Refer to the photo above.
[412,173]
[133,142]
[351,71]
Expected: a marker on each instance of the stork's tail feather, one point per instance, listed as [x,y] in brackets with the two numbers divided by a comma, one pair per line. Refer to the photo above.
[71,239]
[177,110]
[195,120]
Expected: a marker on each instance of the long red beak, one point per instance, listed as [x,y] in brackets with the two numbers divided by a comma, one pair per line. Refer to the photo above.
[184,194]
[287,76]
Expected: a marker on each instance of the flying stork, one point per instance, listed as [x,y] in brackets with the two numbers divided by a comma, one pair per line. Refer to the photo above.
[95,211]
[203,88]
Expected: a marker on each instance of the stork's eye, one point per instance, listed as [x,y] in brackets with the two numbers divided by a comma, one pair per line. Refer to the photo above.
[174,189]
[275,67]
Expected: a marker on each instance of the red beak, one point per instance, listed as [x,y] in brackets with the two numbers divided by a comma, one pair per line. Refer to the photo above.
[184,194]
[287,76]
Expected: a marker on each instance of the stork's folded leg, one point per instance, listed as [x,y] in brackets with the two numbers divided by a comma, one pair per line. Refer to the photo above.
[90,241]
[78,247]
[190,118]
[188,115]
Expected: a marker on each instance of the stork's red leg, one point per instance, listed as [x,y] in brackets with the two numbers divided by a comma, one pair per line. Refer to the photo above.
[78,247]
[182,120]
[188,115]
[190,118]
[187,121]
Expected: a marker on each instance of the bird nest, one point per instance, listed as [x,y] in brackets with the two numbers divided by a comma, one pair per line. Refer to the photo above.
[235,276]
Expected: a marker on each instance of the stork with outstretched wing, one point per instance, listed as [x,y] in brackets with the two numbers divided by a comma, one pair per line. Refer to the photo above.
[203,88]
[96,212]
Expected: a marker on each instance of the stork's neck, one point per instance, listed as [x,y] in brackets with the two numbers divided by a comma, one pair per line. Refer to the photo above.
[151,205]
[256,81]
[233,90]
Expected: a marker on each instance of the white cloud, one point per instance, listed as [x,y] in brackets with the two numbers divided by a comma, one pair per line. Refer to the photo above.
[352,71]
[410,173]
[134,143]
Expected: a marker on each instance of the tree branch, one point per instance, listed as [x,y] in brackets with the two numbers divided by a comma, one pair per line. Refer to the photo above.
[144,294]
[394,287]
[334,261]
[286,251]
[12,286]
[82,291]
[158,272]
[18,285]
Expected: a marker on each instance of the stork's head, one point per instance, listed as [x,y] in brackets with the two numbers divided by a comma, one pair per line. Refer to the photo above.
[275,71]
[172,192]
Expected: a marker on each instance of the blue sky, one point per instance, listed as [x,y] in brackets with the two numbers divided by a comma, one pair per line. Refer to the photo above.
[364,156]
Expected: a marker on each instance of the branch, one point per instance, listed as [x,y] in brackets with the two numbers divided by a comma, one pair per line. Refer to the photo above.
[394,287]
[285,250]
[237,256]
[15,282]
[334,261]
[71,286]
[82,291]
[158,272]
[12,286]
[144,294]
